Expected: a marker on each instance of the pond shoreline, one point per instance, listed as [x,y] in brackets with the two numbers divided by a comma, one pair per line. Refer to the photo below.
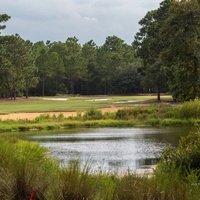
[184,115]
[25,125]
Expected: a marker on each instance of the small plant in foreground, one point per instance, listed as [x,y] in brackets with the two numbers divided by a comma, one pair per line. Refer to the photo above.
[24,168]
[76,184]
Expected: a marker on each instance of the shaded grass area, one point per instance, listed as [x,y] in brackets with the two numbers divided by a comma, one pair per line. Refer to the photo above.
[26,170]
[72,104]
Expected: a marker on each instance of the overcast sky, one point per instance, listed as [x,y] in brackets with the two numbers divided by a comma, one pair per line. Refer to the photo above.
[86,19]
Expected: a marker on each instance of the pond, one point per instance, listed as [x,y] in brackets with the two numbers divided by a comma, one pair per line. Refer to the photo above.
[112,149]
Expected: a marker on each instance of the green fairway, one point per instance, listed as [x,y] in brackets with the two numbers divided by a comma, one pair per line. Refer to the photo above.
[81,103]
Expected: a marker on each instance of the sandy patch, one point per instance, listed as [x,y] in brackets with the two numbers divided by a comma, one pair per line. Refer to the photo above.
[129,101]
[31,116]
[55,99]
[98,100]
[146,171]
[111,109]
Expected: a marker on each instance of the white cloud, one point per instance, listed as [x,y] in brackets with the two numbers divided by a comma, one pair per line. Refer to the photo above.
[85,19]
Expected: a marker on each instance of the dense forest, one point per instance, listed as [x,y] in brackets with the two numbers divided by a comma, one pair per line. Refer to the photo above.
[164,57]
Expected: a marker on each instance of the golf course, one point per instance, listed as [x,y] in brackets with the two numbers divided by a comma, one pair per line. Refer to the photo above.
[100,100]
[23,108]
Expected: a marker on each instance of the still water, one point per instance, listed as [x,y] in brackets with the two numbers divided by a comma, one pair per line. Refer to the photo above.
[112,149]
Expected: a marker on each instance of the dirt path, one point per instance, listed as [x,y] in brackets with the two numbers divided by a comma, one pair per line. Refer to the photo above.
[31,116]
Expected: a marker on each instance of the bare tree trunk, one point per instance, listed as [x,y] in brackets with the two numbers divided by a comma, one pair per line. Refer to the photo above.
[43,86]
[158,94]
[11,95]
[105,88]
[14,94]
[195,80]
[26,92]
[71,86]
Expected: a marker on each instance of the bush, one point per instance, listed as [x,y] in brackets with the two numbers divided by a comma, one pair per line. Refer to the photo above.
[24,169]
[186,157]
[189,110]
[137,113]
[153,122]
[174,122]
[75,184]
[42,118]
[93,114]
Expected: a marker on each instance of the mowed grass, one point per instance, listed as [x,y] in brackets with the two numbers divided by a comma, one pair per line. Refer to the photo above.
[77,104]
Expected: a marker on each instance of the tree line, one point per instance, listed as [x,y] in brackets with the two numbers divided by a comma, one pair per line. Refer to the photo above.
[168,42]
[52,68]
[164,57]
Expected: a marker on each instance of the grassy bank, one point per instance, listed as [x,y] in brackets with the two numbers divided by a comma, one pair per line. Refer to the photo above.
[187,114]
[20,126]
[27,171]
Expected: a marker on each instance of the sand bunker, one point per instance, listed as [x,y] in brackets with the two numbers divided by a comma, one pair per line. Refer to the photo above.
[129,101]
[55,99]
[31,116]
[99,100]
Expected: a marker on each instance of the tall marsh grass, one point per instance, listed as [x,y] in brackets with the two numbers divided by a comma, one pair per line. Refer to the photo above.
[188,110]
[26,169]
[75,183]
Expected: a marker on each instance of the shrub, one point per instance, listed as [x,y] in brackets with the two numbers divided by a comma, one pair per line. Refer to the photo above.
[159,187]
[186,157]
[136,113]
[24,169]
[190,109]
[43,117]
[153,122]
[93,114]
[174,122]
[75,184]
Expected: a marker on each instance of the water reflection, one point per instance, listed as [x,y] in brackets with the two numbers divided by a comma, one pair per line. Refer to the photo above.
[112,149]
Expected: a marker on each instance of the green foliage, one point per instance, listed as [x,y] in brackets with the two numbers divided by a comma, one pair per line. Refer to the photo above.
[43,117]
[153,122]
[180,33]
[186,157]
[134,188]
[24,168]
[93,114]
[3,19]
[17,67]
[149,44]
[161,115]
[49,118]
[168,43]
[164,56]
[145,113]
[53,68]
[172,185]
[75,183]
[135,113]
[117,56]
[189,110]
[176,122]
